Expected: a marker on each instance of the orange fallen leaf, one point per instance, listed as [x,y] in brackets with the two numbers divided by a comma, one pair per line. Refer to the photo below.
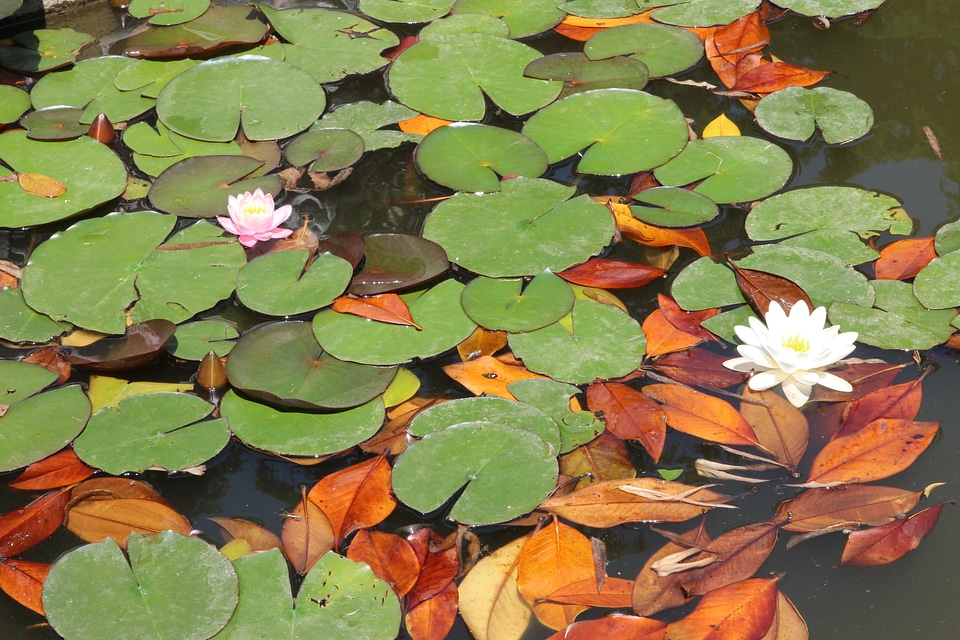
[482,342]
[774,76]
[488,375]
[433,618]
[40,185]
[29,525]
[582,29]
[606,457]
[58,470]
[891,541]
[780,427]
[741,611]
[391,558]
[356,497]
[257,537]
[439,565]
[848,505]
[22,580]
[663,337]
[422,124]
[654,592]
[904,259]
[388,307]
[701,415]
[615,626]
[894,401]
[647,234]
[630,415]
[307,534]
[94,519]
[615,593]
[611,274]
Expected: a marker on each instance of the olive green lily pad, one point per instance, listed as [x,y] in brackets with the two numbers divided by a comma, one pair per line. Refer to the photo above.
[327,149]
[664,49]
[155,151]
[525,17]
[282,363]
[729,168]
[36,424]
[947,238]
[898,320]
[200,187]
[43,50]
[146,589]
[451,76]
[299,433]
[406,11]
[501,305]
[601,8]
[268,99]
[9,7]
[88,85]
[54,123]
[330,45]
[217,28]
[402,388]
[165,431]
[579,73]
[486,409]
[795,112]
[368,119]
[622,130]
[20,323]
[529,226]
[937,286]
[281,283]
[194,340]
[554,398]
[605,343]
[674,207]
[699,13]
[149,77]
[91,172]
[466,23]
[437,310]
[164,12]
[356,604]
[503,472]
[14,102]
[395,261]
[830,8]
[705,284]
[471,157]
[724,325]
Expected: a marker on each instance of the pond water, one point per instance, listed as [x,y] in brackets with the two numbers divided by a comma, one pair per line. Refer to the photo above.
[905,63]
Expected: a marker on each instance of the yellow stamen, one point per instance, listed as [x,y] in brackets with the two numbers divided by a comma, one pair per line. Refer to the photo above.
[796,342]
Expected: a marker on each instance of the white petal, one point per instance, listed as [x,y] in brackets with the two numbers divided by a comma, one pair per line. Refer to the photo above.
[744,365]
[758,355]
[836,383]
[765,380]
[775,317]
[796,392]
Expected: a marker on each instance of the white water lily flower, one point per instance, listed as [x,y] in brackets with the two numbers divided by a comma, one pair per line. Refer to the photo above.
[792,351]
[254,219]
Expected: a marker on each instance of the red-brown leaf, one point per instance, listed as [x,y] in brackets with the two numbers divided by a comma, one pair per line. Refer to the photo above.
[746,35]
[356,497]
[611,274]
[698,366]
[307,534]
[615,626]
[439,562]
[898,401]
[257,537]
[606,457]
[58,470]
[781,428]
[850,505]
[387,307]
[701,415]
[739,554]
[663,337]
[903,259]
[25,527]
[740,611]
[652,592]
[761,288]
[687,321]
[433,618]
[22,580]
[615,593]
[774,76]
[51,359]
[390,556]
[630,415]
[889,542]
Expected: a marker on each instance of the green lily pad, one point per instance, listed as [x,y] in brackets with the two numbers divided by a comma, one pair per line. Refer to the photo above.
[665,50]
[14,102]
[486,409]
[724,325]
[403,387]
[466,23]
[149,77]
[153,431]
[553,398]
[146,588]
[529,226]
[830,8]
[470,157]
[500,304]
[282,284]
[36,424]
[155,151]
[579,73]
[937,286]
[194,340]
[141,344]
[705,284]
[367,119]
[91,172]
[395,261]
[729,168]
[503,472]
[43,50]
[327,149]
[605,343]
[88,85]
[268,99]
[164,12]
[795,112]
[451,76]
[674,207]
[330,45]
[437,310]
[9,7]
[525,17]
[20,323]
[356,604]
[217,28]
[200,187]
[623,131]
[406,11]
[298,433]
[947,238]
[601,8]
[54,123]
[282,363]
[898,321]
[699,13]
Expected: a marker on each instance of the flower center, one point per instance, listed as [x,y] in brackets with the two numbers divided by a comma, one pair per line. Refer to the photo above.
[254,209]
[797,342]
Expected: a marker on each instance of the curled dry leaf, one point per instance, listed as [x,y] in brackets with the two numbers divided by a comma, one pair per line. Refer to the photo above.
[775,76]
[606,457]
[851,505]
[490,600]
[738,554]
[257,537]
[356,497]
[630,415]
[614,626]
[686,321]
[389,556]
[780,427]
[647,234]
[307,534]
[787,623]
[22,580]
[891,541]
[482,342]
[96,518]
[653,592]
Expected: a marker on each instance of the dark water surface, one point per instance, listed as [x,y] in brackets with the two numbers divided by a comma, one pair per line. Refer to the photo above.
[904,62]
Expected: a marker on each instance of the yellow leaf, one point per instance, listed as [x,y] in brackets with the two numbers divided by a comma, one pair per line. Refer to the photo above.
[41,185]
[490,601]
[721,126]
[109,392]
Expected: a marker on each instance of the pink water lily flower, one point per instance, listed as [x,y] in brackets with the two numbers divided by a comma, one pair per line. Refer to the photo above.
[253,218]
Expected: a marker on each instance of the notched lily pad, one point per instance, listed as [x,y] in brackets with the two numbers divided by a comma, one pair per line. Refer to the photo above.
[579,73]
[166,12]
[673,207]
[199,187]
[54,123]
[368,119]
[155,151]
[281,283]
[664,49]
[524,17]
[194,340]
[327,149]
[501,305]
[794,113]
[20,323]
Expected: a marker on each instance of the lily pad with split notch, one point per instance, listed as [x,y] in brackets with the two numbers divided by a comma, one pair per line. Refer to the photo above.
[556,399]
[194,340]
[20,323]
[199,187]
[601,8]
[664,49]
[406,11]
[794,113]
[142,343]
[500,304]
[155,151]
[396,261]
[281,283]
[525,17]
[579,73]
[327,149]
[699,13]
[281,363]
[54,123]
[217,28]
[368,119]
[673,207]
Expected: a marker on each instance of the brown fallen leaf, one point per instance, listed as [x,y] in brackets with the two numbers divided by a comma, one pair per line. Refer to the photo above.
[891,541]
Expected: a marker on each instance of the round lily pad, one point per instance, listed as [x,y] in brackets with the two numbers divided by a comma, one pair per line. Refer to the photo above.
[91,172]
[794,113]
[327,149]
[830,8]
[368,119]
[282,363]
[605,343]
[466,23]
[161,12]
[14,102]
[503,472]
[700,13]
[704,284]
[601,8]
[937,286]
[200,187]
[451,76]
[729,168]
[524,17]
[194,340]
[55,123]
[406,11]
[395,261]
[674,207]
[529,226]
[268,99]
[665,50]
[152,431]
[299,433]
[472,157]
[217,28]
[282,284]
[146,587]
[621,130]
[501,305]
[579,73]
[437,311]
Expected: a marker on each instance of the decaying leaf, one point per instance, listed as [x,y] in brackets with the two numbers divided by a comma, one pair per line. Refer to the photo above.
[888,542]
